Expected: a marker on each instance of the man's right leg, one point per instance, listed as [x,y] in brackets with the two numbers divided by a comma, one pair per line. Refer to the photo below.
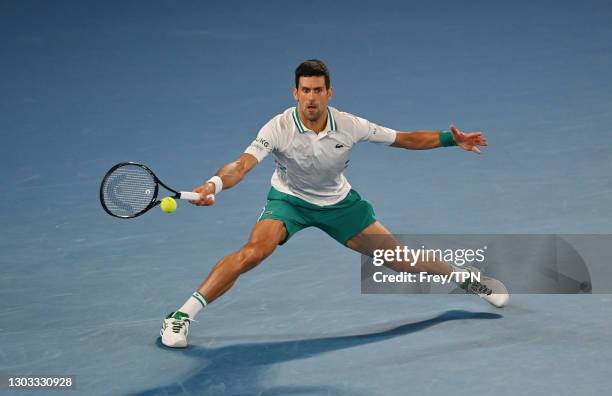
[264,238]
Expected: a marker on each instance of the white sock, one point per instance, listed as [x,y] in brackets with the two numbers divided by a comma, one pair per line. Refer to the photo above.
[193,305]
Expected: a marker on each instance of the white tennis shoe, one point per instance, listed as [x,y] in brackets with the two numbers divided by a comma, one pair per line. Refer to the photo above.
[175,329]
[489,289]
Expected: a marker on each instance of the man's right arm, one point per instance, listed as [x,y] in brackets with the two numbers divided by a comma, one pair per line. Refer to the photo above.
[230,174]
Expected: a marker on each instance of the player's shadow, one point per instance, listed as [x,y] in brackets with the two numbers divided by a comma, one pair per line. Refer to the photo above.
[239,369]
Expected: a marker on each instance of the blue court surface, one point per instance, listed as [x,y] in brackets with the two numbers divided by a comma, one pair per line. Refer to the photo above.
[184,87]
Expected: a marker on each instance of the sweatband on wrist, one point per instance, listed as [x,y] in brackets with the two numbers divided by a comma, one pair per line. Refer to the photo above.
[446,139]
[216,180]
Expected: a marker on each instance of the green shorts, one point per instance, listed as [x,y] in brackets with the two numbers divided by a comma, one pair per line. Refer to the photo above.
[341,221]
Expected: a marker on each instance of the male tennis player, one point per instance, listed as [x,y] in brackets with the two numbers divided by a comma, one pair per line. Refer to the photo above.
[311,144]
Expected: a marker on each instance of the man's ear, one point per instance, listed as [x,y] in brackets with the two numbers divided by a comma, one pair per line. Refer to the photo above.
[295,95]
[330,93]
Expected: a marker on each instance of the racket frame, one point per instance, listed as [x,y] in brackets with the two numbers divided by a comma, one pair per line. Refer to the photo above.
[154,201]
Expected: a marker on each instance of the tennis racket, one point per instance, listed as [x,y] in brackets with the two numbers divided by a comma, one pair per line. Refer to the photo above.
[130,189]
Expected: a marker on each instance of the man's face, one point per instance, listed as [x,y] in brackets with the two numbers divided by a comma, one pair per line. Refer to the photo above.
[312,97]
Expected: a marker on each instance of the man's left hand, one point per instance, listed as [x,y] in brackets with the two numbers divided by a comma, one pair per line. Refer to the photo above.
[468,141]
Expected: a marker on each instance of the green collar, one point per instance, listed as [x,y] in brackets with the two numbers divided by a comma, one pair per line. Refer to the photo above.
[298,123]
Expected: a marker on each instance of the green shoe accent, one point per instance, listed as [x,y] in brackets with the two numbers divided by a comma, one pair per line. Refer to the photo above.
[178,315]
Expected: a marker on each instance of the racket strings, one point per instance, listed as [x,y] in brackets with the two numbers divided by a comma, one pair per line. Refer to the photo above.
[128,190]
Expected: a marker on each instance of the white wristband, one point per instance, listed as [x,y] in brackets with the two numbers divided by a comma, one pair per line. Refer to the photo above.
[216,180]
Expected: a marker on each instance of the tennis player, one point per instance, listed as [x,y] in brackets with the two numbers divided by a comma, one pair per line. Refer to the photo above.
[311,144]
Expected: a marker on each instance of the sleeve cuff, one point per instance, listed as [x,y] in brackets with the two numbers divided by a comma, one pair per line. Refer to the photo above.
[256,152]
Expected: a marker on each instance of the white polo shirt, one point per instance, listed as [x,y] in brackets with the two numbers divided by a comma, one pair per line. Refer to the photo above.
[311,166]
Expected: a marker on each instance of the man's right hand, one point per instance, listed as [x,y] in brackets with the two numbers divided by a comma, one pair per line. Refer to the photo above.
[207,194]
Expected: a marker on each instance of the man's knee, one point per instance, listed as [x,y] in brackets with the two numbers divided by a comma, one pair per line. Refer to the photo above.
[252,254]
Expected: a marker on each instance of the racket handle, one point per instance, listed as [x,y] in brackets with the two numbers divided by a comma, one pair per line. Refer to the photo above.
[191,196]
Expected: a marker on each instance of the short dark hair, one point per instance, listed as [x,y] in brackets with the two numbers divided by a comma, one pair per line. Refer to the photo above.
[312,68]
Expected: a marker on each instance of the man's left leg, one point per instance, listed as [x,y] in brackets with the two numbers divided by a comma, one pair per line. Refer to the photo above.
[376,236]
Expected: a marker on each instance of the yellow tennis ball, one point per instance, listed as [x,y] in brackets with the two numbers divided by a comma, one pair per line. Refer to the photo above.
[168,205]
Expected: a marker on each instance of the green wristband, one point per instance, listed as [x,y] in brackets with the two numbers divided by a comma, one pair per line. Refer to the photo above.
[446,139]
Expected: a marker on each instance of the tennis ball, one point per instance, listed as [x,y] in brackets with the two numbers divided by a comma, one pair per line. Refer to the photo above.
[168,205]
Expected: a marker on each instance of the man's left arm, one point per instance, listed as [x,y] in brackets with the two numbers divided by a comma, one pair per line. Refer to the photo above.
[425,140]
